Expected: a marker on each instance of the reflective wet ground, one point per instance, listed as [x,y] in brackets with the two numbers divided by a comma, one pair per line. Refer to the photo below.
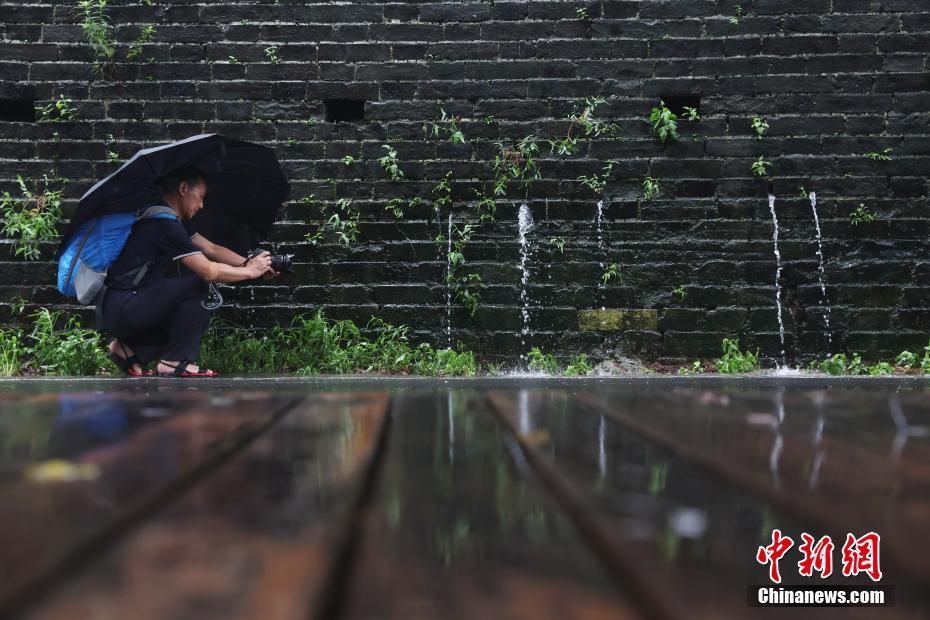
[365,498]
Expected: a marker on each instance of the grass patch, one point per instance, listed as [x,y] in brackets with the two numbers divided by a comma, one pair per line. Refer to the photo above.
[60,346]
[578,365]
[12,351]
[314,344]
[735,361]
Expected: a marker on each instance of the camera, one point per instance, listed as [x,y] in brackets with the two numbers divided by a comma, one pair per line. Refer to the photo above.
[281,263]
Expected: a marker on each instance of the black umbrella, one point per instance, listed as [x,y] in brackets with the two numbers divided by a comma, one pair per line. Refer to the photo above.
[245,188]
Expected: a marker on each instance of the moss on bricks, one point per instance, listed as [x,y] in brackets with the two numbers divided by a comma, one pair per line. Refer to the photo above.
[616,319]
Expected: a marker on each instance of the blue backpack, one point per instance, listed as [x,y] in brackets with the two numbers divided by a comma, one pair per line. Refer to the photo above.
[93,247]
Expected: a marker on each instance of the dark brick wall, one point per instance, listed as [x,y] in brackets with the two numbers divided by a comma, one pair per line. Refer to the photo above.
[835,79]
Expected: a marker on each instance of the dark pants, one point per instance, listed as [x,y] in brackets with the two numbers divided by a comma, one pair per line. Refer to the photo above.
[164,320]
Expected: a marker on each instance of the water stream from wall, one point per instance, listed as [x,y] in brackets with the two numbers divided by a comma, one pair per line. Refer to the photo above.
[525,220]
[781,324]
[824,302]
[600,252]
[449,286]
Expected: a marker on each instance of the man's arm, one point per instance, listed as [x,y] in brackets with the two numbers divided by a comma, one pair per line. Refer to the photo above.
[217,253]
[220,272]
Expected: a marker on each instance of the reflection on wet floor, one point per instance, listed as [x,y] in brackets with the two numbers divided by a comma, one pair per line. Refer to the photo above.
[457,531]
[482,500]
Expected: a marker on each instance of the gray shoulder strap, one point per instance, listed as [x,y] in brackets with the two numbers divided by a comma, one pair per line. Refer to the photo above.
[155,211]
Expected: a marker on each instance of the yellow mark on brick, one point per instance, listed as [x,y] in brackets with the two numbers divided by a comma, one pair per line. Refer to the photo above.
[615,319]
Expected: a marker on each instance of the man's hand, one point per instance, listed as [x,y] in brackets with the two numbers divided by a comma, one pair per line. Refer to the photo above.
[271,273]
[259,265]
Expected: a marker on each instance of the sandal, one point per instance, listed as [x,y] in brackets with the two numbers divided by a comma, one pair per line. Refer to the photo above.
[180,371]
[126,363]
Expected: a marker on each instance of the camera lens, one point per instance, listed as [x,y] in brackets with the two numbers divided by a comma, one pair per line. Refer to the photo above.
[282,262]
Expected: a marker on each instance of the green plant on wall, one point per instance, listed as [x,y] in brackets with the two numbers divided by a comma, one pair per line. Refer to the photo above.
[862,215]
[691,114]
[597,183]
[664,123]
[516,163]
[112,156]
[590,125]
[97,30]
[145,36]
[443,191]
[32,217]
[447,126]
[761,166]
[737,16]
[95,23]
[612,273]
[559,243]
[466,290]
[57,111]
[760,126]
[272,53]
[389,163]
[340,221]
[465,287]
[650,188]
[485,207]
[395,206]
[882,155]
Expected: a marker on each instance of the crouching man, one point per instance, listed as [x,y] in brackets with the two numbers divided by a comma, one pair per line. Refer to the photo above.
[153,310]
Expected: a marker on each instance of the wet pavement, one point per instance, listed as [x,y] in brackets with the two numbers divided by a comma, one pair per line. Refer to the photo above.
[513,497]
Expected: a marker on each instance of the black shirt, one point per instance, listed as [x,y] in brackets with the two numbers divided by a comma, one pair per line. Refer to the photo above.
[161,242]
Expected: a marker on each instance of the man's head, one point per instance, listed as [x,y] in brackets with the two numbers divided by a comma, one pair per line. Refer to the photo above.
[184,189]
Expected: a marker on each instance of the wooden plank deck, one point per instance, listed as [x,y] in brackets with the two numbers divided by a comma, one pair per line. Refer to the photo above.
[449,503]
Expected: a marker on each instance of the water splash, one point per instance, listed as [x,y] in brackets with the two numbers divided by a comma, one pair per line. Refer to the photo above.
[600,248]
[781,324]
[824,302]
[525,220]
[449,286]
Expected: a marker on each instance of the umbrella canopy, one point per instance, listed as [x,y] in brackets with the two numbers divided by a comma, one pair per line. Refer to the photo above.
[245,188]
